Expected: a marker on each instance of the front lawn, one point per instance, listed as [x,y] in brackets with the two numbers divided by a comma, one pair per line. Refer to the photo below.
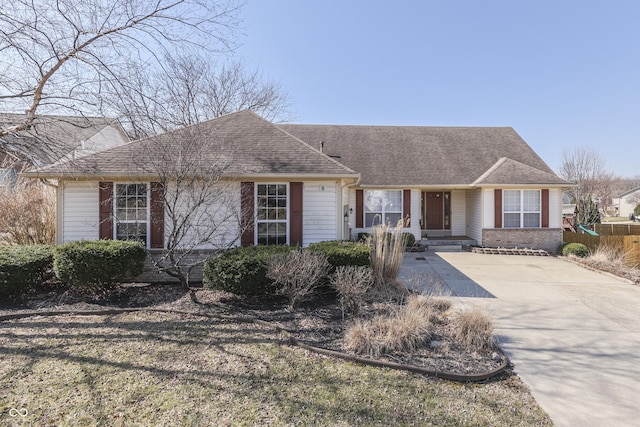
[148,368]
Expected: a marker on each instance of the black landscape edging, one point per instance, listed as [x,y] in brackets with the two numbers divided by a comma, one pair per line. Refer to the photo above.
[292,340]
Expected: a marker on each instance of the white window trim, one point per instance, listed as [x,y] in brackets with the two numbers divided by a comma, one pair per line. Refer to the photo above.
[115,206]
[522,212]
[255,209]
[382,212]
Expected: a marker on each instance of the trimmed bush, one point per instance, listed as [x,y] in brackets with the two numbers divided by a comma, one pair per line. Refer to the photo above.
[343,253]
[577,249]
[24,268]
[362,237]
[243,270]
[410,239]
[98,264]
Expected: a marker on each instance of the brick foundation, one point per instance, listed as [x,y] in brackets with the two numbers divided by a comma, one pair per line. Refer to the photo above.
[548,239]
[151,274]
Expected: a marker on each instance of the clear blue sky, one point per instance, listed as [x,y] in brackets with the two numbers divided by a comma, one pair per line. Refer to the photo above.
[561,73]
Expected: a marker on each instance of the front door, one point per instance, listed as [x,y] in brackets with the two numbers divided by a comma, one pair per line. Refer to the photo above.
[434,210]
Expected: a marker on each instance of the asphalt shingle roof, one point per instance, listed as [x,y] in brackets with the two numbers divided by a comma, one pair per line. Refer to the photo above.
[52,137]
[238,144]
[244,144]
[425,155]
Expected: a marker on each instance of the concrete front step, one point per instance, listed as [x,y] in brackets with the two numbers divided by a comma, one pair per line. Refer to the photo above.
[444,247]
[447,242]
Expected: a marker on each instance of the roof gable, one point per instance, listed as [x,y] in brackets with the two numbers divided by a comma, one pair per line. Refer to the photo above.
[510,172]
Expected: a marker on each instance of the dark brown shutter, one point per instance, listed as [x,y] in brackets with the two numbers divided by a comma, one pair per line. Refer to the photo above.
[247,213]
[497,195]
[545,208]
[406,208]
[295,210]
[105,197]
[157,215]
[359,208]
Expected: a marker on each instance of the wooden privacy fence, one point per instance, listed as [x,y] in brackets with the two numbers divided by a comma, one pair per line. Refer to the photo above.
[617,229]
[629,244]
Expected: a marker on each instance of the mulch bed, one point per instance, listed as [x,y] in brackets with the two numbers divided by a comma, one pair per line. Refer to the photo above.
[318,322]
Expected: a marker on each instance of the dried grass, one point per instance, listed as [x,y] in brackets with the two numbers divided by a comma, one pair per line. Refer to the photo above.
[473,328]
[615,255]
[387,251]
[403,330]
[27,213]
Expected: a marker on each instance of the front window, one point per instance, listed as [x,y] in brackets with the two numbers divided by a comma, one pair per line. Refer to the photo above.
[522,208]
[271,210]
[382,207]
[131,212]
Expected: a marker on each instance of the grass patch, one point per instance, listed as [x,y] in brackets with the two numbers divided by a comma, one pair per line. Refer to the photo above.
[165,369]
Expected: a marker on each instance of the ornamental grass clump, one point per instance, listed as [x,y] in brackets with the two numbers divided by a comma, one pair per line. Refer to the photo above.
[387,251]
[404,330]
[473,329]
[297,273]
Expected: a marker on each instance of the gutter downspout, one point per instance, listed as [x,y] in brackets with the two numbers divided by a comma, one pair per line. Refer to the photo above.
[355,182]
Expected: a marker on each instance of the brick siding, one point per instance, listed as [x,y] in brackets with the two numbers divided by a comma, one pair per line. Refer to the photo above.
[548,239]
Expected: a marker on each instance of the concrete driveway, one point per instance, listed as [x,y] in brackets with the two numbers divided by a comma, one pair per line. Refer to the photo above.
[572,334]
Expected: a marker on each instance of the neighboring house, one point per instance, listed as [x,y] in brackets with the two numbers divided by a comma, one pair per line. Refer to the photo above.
[569,215]
[625,203]
[55,138]
[301,184]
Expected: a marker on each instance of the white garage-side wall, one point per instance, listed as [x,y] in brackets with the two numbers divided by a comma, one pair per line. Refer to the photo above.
[458,213]
[473,209]
[488,208]
[80,213]
[555,208]
[320,219]
[416,206]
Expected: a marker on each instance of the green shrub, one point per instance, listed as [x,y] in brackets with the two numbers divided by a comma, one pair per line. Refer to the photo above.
[98,264]
[343,253]
[577,249]
[362,237]
[636,211]
[410,239]
[24,268]
[243,270]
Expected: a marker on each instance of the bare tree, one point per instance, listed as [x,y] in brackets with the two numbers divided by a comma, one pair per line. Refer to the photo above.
[69,56]
[587,169]
[199,196]
[192,89]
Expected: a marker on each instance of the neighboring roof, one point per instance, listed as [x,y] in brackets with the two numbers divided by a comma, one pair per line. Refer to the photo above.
[238,144]
[510,172]
[428,156]
[53,137]
[628,193]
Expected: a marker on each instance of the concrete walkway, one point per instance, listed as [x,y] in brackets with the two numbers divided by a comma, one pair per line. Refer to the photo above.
[572,334]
